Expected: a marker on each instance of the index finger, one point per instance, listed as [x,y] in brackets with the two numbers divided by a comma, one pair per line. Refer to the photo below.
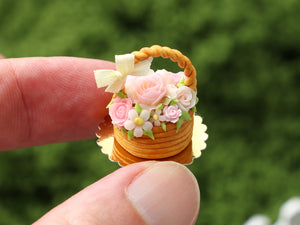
[49,99]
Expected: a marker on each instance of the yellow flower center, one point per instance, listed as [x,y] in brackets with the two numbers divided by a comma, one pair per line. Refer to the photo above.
[138,121]
[155,117]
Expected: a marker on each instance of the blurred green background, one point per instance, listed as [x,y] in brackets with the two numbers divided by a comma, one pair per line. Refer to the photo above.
[247,55]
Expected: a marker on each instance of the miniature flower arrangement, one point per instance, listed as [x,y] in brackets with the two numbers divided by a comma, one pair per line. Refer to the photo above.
[152,112]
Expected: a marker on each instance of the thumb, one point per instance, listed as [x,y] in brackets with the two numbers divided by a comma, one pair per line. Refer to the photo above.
[152,193]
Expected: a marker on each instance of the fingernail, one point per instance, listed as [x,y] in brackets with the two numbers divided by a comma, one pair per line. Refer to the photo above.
[166,193]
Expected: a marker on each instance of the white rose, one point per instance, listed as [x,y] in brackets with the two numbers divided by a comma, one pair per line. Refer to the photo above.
[186,98]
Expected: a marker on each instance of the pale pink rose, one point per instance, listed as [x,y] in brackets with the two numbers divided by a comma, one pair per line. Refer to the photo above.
[172,113]
[147,91]
[186,97]
[176,77]
[171,78]
[118,111]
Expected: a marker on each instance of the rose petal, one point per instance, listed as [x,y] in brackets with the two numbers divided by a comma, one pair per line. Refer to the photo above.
[147,126]
[125,63]
[138,131]
[129,125]
[145,114]
[132,114]
[186,97]
[148,90]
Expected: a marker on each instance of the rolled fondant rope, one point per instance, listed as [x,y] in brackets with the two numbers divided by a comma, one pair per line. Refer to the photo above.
[175,56]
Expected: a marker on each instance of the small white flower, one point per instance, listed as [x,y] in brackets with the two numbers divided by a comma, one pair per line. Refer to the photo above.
[157,117]
[115,79]
[137,122]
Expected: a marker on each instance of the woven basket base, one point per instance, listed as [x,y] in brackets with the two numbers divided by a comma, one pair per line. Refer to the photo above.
[166,144]
[124,158]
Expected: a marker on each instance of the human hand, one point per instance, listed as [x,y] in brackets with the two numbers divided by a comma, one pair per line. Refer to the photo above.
[48,100]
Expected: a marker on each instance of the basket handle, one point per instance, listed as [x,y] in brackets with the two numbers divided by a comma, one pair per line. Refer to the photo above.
[175,56]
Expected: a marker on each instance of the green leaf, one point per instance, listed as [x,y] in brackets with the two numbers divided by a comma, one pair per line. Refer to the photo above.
[163,126]
[194,109]
[159,107]
[121,95]
[197,100]
[179,123]
[109,104]
[148,133]
[130,134]
[123,131]
[181,83]
[138,108]
[186,116]
[174,101]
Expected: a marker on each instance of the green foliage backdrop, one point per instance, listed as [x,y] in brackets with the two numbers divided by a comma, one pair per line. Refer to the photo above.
[247,55]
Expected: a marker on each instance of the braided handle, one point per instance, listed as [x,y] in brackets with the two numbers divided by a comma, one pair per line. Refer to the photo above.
[175,56]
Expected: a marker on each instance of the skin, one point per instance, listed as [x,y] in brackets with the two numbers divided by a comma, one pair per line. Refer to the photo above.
[55,99]
[40,103]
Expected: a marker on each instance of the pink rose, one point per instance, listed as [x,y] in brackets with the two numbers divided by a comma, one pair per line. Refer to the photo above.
[147,91]
[171,78]
[186,97]
[172,113]
[118,111]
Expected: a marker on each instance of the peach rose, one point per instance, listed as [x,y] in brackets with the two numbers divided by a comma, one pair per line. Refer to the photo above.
[186,97]
[172,113]
[147,91]
[118,111]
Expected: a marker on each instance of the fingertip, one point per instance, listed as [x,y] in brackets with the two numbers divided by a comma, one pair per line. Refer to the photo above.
[166,193]
[53,99]
[152,193]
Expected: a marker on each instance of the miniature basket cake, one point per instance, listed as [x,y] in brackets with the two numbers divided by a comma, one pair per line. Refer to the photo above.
[152,112]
